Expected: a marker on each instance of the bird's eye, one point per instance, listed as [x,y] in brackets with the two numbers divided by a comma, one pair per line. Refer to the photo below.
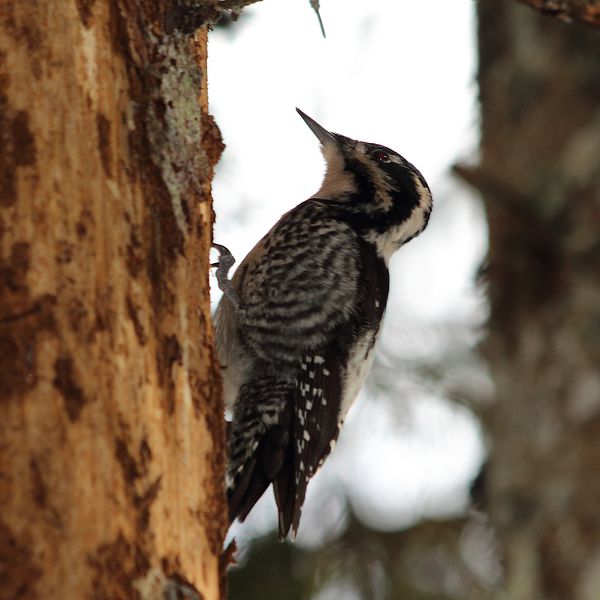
[381,156]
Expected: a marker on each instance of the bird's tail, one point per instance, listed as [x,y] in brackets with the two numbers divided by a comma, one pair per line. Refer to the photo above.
[259,442]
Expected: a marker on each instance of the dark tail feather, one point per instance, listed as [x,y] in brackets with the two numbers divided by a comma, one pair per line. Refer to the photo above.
[258,472]
[299,495]
[283,489]
[248,488]
[290,489]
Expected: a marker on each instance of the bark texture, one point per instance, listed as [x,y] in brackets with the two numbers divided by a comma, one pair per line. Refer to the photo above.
[111,433]
[540,177]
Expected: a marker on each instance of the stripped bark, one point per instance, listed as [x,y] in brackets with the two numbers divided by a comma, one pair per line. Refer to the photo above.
[111,430]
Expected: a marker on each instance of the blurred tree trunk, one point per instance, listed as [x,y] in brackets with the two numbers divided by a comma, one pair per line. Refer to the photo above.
[540,177]
[111,435]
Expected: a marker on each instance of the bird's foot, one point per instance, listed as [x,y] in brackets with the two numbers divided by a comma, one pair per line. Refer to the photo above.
[225,262]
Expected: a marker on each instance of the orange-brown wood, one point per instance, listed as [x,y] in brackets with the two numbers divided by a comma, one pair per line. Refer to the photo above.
[111,432]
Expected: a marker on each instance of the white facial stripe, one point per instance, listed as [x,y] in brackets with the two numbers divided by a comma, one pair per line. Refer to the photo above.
[392,239]
[425,199]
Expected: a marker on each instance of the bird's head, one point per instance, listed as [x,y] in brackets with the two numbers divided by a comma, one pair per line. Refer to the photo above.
[383,196]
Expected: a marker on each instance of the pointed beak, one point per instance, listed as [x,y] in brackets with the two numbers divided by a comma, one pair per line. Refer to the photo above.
[324,136]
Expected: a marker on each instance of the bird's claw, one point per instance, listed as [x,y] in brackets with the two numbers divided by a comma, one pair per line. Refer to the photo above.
[225,262]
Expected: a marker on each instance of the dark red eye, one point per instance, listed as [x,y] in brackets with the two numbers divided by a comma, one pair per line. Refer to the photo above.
[381,156]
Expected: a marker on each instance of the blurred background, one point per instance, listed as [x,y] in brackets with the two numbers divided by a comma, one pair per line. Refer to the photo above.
[484,372]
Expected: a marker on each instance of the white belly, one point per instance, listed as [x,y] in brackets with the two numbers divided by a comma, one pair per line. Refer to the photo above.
[359,365]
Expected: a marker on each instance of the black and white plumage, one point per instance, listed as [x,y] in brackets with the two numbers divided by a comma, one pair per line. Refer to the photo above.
[297,325]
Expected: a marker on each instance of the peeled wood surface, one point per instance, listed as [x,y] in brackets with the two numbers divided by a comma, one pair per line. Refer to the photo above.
[111,462]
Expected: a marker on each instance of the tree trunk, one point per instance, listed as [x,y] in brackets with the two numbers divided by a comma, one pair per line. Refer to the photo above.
[540,177]
[111,427]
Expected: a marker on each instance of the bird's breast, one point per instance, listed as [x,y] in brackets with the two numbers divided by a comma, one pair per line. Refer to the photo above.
[360,360]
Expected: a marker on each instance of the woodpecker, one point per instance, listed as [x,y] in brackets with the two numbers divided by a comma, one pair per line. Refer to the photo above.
[297,323]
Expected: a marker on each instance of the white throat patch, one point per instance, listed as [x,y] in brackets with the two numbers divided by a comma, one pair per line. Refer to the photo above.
[390,241]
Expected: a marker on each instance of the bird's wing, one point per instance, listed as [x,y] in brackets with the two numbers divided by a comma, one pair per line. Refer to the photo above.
[298,285]
[322,387]
[307,296]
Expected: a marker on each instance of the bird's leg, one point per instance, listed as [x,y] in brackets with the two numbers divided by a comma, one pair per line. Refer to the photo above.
[225,262]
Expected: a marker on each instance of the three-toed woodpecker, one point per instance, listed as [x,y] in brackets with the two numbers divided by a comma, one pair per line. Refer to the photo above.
[298,322]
